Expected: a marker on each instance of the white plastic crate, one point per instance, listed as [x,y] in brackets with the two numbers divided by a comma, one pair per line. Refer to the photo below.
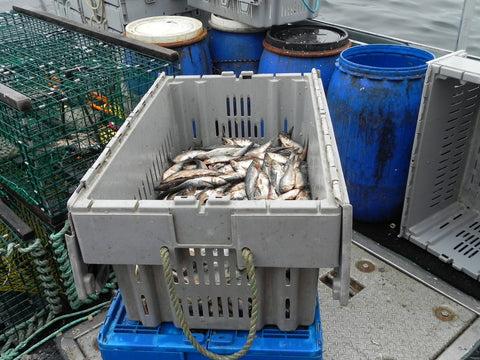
[260,13]
[118,221]
[442,204]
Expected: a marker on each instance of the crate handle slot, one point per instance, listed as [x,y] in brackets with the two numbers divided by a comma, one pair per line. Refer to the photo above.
[252,280]
[15,99]
[16,224]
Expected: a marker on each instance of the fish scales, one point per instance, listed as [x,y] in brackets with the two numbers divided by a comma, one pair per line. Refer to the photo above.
[240,169]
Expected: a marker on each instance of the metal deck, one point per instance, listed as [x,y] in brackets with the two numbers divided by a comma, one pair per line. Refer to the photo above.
[393,317]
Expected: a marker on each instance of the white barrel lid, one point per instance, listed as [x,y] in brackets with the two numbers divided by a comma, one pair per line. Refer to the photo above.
[164,29]
[223,24]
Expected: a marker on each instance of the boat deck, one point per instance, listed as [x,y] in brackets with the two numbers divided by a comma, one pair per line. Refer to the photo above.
[397,311]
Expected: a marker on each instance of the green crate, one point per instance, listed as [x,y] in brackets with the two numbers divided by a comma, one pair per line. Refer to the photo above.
[80,89]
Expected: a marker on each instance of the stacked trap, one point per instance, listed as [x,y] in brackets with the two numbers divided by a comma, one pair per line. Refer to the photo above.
[64,91]
[27,283]
[117,218]
[64,96]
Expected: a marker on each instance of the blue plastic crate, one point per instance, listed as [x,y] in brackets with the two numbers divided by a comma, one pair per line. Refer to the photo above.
[122,338]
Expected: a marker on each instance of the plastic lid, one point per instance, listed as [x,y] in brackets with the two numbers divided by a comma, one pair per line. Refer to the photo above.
[307,37]
[223,24]
[164,29]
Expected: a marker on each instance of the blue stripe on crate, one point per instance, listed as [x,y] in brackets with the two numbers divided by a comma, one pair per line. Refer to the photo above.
[121,337]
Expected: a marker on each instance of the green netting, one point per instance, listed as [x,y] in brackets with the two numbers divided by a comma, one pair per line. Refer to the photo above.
[42,228]
[34,274]
[22,302]
[82,90]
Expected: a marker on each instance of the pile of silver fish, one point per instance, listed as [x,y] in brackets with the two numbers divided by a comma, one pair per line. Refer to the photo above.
[240,169]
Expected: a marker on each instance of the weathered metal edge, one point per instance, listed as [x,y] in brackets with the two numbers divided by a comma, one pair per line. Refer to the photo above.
[409,268]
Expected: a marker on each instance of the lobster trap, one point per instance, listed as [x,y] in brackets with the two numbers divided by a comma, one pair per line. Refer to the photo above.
[23,305]
[37,223]
[64,95]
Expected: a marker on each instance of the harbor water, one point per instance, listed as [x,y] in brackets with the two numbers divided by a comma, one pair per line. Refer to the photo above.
[429,22]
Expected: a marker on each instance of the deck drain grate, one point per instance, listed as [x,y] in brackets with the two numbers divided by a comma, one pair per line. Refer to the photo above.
[355,286]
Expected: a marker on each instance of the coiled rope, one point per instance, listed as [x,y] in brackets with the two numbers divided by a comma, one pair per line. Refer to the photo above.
[49,284]
[25,331]
[252,280]
[99,19]
[61,255]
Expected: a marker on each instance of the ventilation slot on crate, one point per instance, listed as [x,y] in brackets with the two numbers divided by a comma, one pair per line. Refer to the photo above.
[456,136]
[238,122]
[469,238]
[203,275]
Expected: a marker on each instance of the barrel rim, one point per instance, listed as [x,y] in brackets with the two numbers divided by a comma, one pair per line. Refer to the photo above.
[174,36]
[349,66]
[305,54]
[270,38]
[177,44]
[220,23]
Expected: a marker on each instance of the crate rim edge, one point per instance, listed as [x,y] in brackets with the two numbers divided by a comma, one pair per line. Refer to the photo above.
[87,180]
[336,202]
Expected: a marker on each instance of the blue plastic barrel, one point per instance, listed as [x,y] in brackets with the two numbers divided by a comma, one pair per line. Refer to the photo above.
[139,85]
[234,46]
[299,48]
[183,34]
[374,98]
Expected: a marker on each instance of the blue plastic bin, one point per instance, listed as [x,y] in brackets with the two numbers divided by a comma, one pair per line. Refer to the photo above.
[122,338]
[374,98]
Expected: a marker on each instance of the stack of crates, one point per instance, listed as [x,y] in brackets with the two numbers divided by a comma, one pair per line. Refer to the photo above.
[125,225]
[260,13]
[63,95]
[167,342]
[114,15]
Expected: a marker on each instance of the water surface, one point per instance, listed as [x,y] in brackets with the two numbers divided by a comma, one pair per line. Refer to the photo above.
[432,22]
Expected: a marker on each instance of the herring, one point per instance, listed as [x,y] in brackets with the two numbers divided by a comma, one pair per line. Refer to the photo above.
[241,170]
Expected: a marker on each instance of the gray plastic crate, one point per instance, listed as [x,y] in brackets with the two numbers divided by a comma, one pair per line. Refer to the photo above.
[442,204]
[260,13]
[214,293]
[114,15]
[118,221]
